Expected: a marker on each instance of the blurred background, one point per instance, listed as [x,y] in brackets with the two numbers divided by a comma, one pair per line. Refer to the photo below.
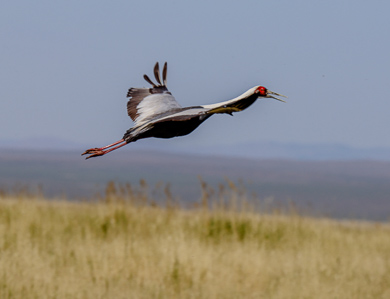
[66,68]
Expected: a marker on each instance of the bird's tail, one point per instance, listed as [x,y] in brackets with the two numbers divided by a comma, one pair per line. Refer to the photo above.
[129,136]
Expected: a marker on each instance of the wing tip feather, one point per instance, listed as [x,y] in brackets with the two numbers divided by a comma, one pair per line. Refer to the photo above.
[156,72]
[165,70]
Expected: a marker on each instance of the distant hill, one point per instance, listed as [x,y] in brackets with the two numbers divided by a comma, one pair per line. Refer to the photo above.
[258,150]
[297,151]
[340,189]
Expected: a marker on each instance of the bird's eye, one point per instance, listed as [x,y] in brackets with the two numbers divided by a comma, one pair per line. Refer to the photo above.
[262,91]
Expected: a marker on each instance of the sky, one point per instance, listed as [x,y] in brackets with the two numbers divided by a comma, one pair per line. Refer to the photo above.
[66,66]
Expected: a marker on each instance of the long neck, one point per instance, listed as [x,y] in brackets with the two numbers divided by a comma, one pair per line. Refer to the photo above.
[249,96]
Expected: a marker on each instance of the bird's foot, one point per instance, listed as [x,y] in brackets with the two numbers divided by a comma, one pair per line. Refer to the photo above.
[100,151]
[95,153]
[91,151]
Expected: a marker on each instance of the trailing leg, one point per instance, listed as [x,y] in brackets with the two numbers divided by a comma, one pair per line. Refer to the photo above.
[100,151]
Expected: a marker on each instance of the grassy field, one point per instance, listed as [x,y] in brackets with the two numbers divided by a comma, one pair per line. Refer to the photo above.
[126,249]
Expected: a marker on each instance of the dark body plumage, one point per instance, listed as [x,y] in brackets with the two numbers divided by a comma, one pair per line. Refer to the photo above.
[169,128]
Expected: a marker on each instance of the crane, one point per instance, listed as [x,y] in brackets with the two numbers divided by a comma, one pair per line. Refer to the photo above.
[156,113]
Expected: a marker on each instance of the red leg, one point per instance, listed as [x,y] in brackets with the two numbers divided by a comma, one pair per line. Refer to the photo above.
[100,151]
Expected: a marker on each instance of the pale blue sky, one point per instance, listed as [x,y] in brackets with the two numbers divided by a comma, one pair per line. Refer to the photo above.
[66,67]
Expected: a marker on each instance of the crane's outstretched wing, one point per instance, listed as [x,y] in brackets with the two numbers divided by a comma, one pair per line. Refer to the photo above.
[145,103]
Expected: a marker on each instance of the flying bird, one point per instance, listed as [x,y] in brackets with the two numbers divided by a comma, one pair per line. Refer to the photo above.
[156,113]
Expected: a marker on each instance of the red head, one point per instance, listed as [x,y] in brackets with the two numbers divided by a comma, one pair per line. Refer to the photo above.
[262,91]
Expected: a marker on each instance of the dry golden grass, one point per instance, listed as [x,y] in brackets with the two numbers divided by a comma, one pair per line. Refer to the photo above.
[118,249]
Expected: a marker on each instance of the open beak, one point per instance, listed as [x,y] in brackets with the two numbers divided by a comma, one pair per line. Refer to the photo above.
[270,93]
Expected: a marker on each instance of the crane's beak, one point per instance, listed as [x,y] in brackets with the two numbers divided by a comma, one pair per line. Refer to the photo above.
[270,93]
